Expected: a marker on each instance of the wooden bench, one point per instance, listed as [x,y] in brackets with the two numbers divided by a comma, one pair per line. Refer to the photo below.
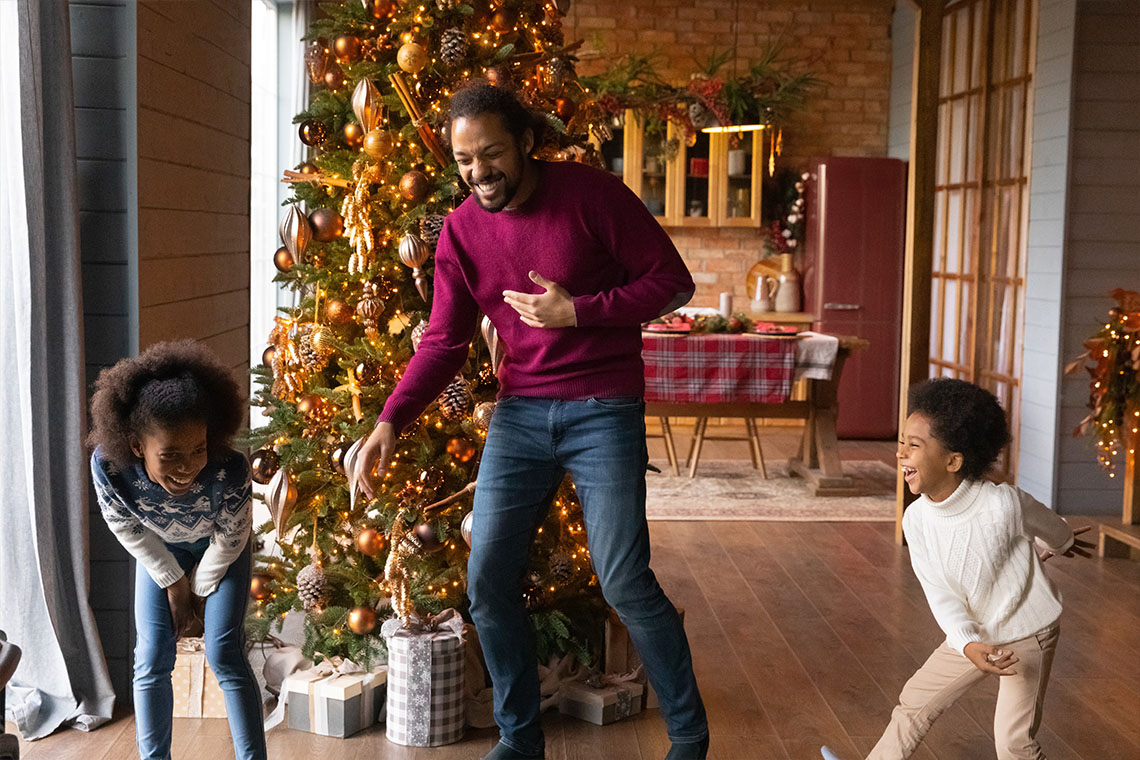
[1124,540]
[1118,540]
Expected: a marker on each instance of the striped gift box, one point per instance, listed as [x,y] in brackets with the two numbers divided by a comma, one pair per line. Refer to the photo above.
[425,681]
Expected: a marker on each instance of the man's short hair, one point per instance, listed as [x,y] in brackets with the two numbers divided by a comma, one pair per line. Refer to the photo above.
[477,99]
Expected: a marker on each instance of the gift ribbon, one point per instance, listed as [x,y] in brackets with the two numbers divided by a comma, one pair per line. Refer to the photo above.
[330,668]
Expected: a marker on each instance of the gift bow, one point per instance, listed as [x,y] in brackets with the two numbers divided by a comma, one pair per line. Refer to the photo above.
[191,644]
[449,623]
[337,666]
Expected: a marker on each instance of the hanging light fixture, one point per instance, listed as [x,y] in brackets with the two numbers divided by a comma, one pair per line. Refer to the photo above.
[736,127]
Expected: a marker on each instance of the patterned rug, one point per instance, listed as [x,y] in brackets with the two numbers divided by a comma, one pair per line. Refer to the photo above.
[732,490]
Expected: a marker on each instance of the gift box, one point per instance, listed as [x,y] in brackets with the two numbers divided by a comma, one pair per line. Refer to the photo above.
[621,657]
[196,690]
[603,705]
[334,699]
[425,680]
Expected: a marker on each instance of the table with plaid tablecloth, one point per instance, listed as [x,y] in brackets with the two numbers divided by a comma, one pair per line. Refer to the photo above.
[710,369]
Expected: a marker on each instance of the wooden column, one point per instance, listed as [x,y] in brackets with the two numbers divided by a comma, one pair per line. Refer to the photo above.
[919,216]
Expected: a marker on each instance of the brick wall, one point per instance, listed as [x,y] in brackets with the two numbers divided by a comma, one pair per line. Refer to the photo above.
[848,43]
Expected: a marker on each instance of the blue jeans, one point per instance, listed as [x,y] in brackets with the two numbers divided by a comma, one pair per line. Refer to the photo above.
[225,651]
[531,444]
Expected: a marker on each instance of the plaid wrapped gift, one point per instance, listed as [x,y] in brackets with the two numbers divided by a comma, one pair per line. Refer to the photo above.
[425,680]
[196,690]
[711,369]
[611,701]
[333,699]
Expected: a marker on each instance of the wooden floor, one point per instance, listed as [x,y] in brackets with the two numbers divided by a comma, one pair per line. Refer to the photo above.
[802,634]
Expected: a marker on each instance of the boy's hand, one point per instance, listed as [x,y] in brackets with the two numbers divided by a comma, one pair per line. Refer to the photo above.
[554,308]
[989,659]
[1079,548]
[181,606]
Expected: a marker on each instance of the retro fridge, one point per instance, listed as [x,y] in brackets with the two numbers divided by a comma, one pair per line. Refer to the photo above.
[853,280]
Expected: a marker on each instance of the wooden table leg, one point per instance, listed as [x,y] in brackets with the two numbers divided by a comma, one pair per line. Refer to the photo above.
[670,448]
[818,461]
[698,441]
[754,446]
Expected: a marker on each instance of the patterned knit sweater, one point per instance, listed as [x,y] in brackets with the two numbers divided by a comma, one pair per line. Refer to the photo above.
[144,517]
[974,555]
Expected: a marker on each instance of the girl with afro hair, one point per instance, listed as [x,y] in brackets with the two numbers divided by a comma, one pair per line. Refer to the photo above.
[178,499]
[972,546]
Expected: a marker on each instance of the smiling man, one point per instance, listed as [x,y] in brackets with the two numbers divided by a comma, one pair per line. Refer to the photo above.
[567,263]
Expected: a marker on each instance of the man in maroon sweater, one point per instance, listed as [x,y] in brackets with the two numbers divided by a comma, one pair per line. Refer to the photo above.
[567,263]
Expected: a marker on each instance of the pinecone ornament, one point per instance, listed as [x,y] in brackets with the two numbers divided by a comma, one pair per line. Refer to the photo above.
[431,225]
[453,46]
[456,399]
[551,29]
[312,587]
[314,355]
[561,567]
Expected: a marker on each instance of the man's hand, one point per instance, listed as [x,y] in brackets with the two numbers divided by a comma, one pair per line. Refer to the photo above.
[554,308]
[1078,549]
[182,607]
[374,456]
[989,659]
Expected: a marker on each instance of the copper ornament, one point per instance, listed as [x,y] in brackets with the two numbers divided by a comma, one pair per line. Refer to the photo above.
[361,620]
[353,135]
[368,105]
[461,449]
[369,541]
[414,186]
[426,535]
[263,465]
[564,108]
[380,9]
[316,62]
[337,312]
[312,132]
[327,224]
[283,260]
[267,356]
[414,252]
[369,308]
[296,233]
[481,416]
[501,21]
[368,372]
[259,587]
[347,48]
[334,77]
[281,498]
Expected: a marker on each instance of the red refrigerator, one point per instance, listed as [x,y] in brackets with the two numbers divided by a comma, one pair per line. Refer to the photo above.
[854,248]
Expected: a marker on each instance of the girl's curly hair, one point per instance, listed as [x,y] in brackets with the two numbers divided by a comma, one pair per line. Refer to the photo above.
[965,418]
[167,384]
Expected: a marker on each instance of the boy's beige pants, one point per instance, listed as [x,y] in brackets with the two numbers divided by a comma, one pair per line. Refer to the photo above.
[947,675]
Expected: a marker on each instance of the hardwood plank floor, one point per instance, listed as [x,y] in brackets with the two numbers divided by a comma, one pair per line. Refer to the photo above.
[802,633]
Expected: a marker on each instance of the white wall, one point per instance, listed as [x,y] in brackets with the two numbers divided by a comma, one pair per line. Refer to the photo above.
[1103,232]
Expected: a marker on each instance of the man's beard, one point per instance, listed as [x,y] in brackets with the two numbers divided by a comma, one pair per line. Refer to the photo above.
[509,190]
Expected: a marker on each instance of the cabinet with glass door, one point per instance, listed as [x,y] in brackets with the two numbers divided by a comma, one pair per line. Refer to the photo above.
[738,173]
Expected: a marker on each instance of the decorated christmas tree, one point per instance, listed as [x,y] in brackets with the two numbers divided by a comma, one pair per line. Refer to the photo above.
[358,240]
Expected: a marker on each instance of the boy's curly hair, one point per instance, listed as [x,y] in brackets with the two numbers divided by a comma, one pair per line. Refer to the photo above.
[965,418]
[167,384]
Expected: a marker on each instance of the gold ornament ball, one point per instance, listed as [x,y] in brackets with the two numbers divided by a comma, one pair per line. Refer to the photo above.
[267,356]
[368,372]
[461,449]
[414,186]
[378,143]
[361,620]
[259,587]
[338,312]
[334,78]
[283,260]
[370,541]
[263,465]
[312,132]
[327,224]
[381,9]
[502,22]
[347,48]
[353,135]
[411,57]
[321,339]
[310,404]
[481,417]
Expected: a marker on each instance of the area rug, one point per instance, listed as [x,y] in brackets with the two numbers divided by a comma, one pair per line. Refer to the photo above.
[732,490]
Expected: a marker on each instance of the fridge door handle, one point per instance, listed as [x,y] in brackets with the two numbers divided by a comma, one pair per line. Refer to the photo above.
[842,306]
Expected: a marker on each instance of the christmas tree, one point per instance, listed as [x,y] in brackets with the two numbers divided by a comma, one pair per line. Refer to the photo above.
[359,234]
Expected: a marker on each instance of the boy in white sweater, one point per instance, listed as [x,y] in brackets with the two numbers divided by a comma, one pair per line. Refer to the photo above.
[972,548]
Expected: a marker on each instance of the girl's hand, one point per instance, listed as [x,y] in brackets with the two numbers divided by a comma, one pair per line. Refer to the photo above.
[1078,549]
[374,457]
[989,659]
[181,606]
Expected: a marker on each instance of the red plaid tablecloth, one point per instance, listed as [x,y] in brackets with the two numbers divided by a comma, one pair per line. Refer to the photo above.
[718,368]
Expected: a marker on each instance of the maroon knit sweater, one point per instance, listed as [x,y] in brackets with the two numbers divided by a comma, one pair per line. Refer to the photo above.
[582,228]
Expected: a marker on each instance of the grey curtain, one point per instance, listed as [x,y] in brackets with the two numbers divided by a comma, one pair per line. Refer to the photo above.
[63,678]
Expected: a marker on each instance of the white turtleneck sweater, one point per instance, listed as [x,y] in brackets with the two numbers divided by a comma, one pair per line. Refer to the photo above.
[973,553]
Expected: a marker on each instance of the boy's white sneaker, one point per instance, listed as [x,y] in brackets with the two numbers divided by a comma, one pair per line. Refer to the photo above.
[828,754]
